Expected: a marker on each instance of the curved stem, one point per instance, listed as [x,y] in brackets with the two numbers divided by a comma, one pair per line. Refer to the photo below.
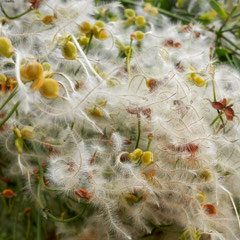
[139,132]
[89,43]
[17,16]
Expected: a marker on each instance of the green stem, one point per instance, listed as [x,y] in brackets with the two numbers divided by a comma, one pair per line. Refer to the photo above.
[229,41]
[215,119]
[229,60]
[139,132]
[16,221]
[56,219]
[13,93]
[28,226]
[17,16]
[214,91]
[10,113]
[228,17]
[231,28]
[89,43]
[128,58]
[149,143]
[39,225]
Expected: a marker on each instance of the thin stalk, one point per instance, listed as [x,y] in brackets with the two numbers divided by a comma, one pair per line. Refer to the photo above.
[215,119]
[229,60]
[231,42]
[228,17]
[128,58]
[28,226]
[10,113]
[89,43]
[15,222]
[149,143]
[51,216]
[139,132]
[17,16]
[230,29]
[39,225]
[13,93]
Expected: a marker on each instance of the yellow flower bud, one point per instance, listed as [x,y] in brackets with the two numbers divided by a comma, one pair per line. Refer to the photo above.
[147,7]
[206,175]
[69,51]
[102,35]
[6,48]
[147,158]
[135,155]
[27,132]
[154,11]
[201,197]
[83,40]
[129,21]
[48,20]
[50,89]
[31,71]
[17,132]
[37,84]
[139,35]
[19,145]
[129,13]
[200,82]
[97,28]
[3,78]
[140,21]
[96,112]
[46,66]
[99,24]
[85,27]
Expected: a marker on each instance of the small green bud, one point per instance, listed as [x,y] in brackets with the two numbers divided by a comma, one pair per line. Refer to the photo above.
[3,78]
[129,13]
[147,158]
[140,21]
[27,132]
[135,155]
[69,51]
[17,132]
[6,48]
[139,35]
[83,40]
[19,145]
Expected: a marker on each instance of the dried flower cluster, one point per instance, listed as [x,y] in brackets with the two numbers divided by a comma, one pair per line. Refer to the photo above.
[128,122]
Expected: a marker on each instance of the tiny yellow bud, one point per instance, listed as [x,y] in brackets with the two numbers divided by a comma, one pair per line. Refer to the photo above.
[17,132]
[103,35]
[201,197]
[129,13]
[3,78]
[200,82]
[147,158]
[129,21]
[31,71]
[193,76]
[147,7]
[46,66]
[85,27]
[6,48]
[139,35]
[135,155]
[37,84]
[140,21]
[27,132]
[99,24]
[50,89]
[154,11]
[96,112]
[48,20]
[19,145]
[83,40]
[69,51]
[97,28]
[205,175]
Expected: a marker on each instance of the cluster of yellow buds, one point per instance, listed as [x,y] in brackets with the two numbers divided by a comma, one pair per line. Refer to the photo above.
[139,21]
[68,48]
[150,9]
[97,30]
[195,78]
[138,155]
[26,133]
[41,80]
[6,48]
[7,83]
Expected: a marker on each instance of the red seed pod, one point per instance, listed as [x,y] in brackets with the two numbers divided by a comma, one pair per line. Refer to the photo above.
[217,105]
[209,209]
[229,113]
[27,210]
[82,193]
[224,102]
[177,44]
[168,43]
[191,148]
[8,193]
[197,34]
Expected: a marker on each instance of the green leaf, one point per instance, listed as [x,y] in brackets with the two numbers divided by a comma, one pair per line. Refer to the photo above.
[218,8]
[236,60]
